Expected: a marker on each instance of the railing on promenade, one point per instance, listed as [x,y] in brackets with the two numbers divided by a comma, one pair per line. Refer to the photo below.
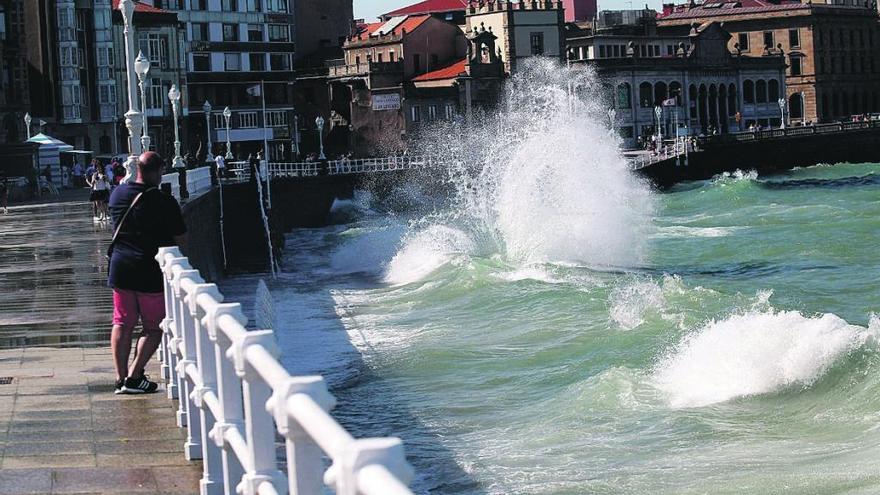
[198,181]
[645,159]
[346,166]
[235,398]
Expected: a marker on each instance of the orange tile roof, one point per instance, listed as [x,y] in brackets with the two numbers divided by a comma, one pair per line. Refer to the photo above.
[448,72]
[430,7]
[409,24]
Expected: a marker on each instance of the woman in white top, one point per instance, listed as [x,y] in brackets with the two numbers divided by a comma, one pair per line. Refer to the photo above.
[100,195]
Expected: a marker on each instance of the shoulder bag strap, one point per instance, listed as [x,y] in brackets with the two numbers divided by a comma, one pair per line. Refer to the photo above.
[125,215]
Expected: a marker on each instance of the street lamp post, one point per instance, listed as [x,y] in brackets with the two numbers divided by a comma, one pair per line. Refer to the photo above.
[296,136]
[319,121]
[27,124]
[227,113]
[132,117]
[207,108]
[142,68]
[781,102]
[174,96]
[658,111]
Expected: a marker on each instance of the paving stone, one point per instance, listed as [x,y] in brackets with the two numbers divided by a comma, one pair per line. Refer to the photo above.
[54,461]
[25,481]
[59,446]
[177,479]
[105,480]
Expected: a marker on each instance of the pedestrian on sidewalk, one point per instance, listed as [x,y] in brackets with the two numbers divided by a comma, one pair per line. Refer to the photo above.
[144,220]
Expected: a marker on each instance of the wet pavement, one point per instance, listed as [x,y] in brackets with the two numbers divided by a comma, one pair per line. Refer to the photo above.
[62,430]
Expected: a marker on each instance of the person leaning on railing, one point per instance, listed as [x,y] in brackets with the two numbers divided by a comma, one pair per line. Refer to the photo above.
[144,219]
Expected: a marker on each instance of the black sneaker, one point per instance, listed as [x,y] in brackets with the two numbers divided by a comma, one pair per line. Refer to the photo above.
[140,385]
[119,385]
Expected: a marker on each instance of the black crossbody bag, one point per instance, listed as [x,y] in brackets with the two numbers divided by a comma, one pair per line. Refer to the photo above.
[122,221]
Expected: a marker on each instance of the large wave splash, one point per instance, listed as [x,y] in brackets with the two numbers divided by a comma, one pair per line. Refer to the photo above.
[756,352]
[539,180]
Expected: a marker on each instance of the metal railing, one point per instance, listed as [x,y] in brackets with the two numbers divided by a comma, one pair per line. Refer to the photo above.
[235,398]
[346,166]
[679,148]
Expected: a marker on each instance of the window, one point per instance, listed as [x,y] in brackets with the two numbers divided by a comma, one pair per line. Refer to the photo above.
[768,39]
[748,91]
[276,6]
[743,39]
[646,96]
[155,48]
[601,51]
[199,31]
[220,120]
[279,32]
[536,42]
[795,66]
[432,112]
[794,38]
[232,61]
[623,96]
[257,61]
[106,94]
[201,62]
[2,25]
[156,96]
[379,56]
[255,32]
[416,113]
[390,55]
[247,120]
[230,32]
[253,5]
[229,5]
[279,61]
[450,111]
[198,4]
[669,50]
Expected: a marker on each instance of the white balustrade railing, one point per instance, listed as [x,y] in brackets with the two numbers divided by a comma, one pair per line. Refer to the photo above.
[345,166]
[173,180]
[235,398]
[198,181]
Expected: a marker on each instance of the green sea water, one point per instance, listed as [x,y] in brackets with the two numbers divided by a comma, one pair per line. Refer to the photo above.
[543,322]
[738,356]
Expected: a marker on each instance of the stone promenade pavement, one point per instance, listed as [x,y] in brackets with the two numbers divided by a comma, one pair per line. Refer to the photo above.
[62,430]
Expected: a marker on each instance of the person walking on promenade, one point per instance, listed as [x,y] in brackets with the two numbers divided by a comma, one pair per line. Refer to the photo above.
[144,220]
[100,195]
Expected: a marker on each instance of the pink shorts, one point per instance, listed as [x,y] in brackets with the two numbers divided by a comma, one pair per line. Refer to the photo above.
[129,304]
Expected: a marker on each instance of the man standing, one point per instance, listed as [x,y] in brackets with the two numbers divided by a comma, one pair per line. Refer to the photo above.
[221,166]
[144,219]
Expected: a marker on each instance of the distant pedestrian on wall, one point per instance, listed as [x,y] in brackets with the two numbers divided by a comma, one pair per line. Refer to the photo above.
[144,220]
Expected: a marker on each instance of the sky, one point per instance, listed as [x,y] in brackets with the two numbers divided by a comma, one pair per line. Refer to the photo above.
[371,9]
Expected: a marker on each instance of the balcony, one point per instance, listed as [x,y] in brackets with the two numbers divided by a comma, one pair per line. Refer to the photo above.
[363,69]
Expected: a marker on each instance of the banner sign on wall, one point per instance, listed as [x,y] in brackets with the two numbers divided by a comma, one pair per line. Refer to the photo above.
[388,101]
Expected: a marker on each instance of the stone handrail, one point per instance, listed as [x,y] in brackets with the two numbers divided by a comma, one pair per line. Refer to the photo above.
[235,398]
[173,180]
[198,180]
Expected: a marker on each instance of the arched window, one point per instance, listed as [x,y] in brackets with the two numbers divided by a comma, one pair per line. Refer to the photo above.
[646,96]
[675,91]
[692,99]
[795,106]
[761,91]
[624,98]
[731,100]
[773,89]
[660,93]
[748,91]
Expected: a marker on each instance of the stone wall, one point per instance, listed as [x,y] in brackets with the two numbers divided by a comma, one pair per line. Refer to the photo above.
[204,248]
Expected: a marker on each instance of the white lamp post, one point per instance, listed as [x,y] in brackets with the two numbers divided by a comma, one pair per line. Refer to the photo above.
[174,96]
[133,119]
[142,68]
[658,111]
[27,124]
[782,112]
[319,121]
[296,136]
[227,113]
[207,108]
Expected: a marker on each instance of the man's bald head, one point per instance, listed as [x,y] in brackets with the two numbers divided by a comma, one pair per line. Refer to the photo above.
[150,167]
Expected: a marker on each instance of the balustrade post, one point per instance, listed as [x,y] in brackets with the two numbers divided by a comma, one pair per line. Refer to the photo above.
[259,427]
[173,331]
[387,452]
[212,464]
[192,446]
[228,392]
[304,464]
[165,252]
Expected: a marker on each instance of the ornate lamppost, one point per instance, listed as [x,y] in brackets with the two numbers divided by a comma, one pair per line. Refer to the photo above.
[174,96]
[296,137]
[207,108]
[227,113]
[27,124]
[781,102]
[319,121]
[133,119]
[142,68]
[658,111]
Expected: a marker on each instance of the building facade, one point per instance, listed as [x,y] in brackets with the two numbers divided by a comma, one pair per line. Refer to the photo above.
[14,91]
[831,49]
[702,89]
[524,29]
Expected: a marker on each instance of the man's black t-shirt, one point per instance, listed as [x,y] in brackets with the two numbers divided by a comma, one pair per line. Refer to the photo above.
[151,224]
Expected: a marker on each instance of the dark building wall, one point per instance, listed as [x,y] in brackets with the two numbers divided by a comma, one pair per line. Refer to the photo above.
[321,24]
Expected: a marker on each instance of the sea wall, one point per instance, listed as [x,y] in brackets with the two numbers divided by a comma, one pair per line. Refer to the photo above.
[204,248]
